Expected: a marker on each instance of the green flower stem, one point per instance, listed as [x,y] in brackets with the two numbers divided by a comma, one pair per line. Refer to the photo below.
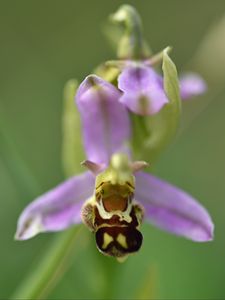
[149,285]
[112,273]
[53,265]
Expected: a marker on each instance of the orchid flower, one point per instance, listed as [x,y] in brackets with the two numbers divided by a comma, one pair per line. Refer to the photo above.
[114,195]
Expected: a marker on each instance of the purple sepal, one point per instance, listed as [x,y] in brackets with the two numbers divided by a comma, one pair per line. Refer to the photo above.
[172,209]
[106,125]
[57,209]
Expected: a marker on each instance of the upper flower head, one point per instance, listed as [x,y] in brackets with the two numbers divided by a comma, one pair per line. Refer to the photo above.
[143,90]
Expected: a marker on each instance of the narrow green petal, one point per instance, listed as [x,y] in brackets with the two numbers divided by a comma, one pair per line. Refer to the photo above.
[171,82]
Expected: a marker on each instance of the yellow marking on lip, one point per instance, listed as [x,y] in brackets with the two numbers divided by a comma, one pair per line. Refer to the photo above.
[121,239]
[107,239]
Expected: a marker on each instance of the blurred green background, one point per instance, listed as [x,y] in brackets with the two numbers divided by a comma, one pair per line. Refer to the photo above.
[45,43]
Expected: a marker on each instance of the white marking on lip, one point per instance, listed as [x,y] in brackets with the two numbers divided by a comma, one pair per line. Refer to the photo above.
[123,215]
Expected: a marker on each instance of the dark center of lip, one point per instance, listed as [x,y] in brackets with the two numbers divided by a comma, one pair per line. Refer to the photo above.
[115,202]
[118,241]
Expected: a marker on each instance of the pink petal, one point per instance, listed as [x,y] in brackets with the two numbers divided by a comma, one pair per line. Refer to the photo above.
[106,126]
[172,209]
[57,209]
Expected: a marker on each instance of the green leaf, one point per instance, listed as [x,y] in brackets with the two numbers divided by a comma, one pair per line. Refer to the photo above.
[53,265]
[149,284]
[72,148]
[171,82]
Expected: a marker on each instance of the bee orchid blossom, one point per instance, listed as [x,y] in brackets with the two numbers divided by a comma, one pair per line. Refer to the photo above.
[114,195]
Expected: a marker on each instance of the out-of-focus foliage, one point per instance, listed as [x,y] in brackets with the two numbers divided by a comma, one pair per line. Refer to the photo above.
[44,44]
